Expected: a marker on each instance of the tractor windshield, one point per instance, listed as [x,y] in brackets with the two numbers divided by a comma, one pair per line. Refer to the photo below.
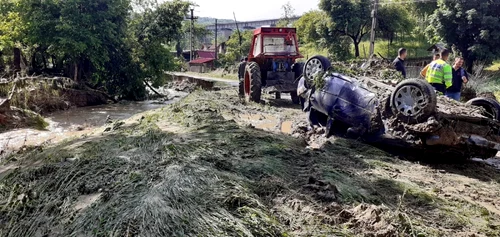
[277,45]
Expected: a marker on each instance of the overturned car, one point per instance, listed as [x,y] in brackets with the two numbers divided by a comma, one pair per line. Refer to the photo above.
[409,114]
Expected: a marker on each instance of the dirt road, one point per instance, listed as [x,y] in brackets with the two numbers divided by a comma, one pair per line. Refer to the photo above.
[213,165]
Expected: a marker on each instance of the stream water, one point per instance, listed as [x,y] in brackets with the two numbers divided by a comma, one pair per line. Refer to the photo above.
[76,122]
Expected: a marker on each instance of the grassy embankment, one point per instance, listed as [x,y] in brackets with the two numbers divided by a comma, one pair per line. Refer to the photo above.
[193,169]
[415,49]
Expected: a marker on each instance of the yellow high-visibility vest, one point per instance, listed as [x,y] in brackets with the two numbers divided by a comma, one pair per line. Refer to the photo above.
[439,72]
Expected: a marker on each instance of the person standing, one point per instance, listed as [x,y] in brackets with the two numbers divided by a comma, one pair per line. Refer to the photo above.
[423,73]
[439,74]
[399,62]
[459,78]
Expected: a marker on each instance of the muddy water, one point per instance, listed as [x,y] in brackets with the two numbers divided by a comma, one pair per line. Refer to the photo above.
[76,122]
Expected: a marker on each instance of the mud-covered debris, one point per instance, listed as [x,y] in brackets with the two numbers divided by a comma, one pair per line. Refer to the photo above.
[323,190]
[489,95]
[372,220]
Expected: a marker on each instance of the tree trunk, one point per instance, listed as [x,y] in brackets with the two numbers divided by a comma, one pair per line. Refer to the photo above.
[17,59]
[469,65]
[356,49]
[178,48]
[44,61]
[2,66]
[469,61]
[75,76]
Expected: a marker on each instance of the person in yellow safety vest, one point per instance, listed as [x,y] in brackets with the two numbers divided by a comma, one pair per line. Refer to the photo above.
[423,73]
[439,74]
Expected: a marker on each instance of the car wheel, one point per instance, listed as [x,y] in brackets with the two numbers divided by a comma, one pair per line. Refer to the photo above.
[413,101]
[298,69]
[316,118]
[314,65]
[302,102]
[491,107]
[295,97]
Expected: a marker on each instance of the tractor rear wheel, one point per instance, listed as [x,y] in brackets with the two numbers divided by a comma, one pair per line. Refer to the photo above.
[241,78]
[252,82]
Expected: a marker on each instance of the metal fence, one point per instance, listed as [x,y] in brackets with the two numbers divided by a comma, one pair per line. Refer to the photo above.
[413,71]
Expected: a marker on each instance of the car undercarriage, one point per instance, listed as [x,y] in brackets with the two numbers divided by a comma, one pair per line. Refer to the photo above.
[408,115]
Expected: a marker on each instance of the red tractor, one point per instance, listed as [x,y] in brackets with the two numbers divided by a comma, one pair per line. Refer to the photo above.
[270,65]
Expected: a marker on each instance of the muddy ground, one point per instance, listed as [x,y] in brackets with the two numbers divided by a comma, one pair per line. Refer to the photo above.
[213,165]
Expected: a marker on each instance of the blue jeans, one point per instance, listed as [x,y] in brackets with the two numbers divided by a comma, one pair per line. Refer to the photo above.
[453,95]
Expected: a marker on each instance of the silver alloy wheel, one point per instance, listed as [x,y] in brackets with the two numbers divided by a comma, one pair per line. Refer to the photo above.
[410,100]
[313,67]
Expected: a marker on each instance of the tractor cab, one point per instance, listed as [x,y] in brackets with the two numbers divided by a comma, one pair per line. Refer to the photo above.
[275,42]
[270,64]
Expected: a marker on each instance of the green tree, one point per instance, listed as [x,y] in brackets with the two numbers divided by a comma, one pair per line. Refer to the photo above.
[350,18]
[288,13]
[234,52]
[309,26]
[392,19]
[472,27]
[76,32]
[100,43]
[11,32]
[422,9]
[155,31]
[200,33]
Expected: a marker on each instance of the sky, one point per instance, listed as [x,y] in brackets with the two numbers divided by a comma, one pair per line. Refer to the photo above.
[250,10]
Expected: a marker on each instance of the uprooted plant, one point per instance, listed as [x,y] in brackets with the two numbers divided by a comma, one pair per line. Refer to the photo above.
[480,82]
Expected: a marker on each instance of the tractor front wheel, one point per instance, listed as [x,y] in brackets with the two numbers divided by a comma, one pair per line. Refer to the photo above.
[252,82]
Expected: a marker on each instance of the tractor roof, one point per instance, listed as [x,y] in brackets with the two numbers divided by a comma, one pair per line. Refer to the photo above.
[273,30]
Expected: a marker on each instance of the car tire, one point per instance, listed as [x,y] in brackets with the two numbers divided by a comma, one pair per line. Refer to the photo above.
[295,97]
[491,106]
[252,82]
[313,117]
[386,107]
[241,76]
[298,69]
[413,101]
[314,65]
[302,102]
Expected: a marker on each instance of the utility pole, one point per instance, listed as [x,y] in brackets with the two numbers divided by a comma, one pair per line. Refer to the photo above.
[374,25]
[216,47]
[191,51]
[238,30]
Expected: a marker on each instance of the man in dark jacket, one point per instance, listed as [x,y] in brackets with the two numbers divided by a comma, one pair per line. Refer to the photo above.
[399,62]
[459,78]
